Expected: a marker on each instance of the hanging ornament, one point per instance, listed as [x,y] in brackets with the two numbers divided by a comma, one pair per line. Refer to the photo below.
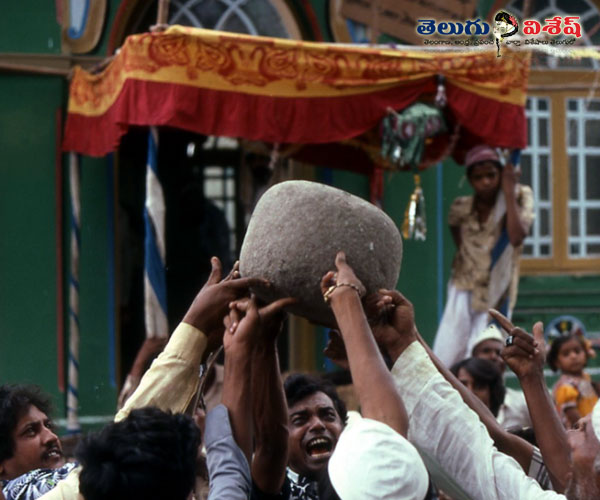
[414,225]
[403,144]
[404,134]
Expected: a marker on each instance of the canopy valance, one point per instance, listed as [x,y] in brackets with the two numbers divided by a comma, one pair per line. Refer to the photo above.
[285,91]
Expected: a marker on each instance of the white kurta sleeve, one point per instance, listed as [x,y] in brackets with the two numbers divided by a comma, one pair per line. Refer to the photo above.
[451,434]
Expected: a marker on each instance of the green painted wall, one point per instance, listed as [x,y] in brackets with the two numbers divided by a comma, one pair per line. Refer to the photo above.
[27,245]
[29,26]
[28,280]
[99,395]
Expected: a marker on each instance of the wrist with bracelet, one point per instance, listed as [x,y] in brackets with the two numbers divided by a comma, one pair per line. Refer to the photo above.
[333,288]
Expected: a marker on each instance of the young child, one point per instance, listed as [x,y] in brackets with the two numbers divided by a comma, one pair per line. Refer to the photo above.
[488,229]
[573,392]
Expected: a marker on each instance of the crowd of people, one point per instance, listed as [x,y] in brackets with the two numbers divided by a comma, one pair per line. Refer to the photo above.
[430,426]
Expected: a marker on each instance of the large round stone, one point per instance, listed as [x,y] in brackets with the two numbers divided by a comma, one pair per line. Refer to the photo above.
[295,232]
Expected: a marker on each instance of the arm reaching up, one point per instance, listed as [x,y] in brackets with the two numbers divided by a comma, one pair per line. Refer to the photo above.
[372,380]
[243,328]
[403,317]
[449,435]
[377,441]
[269,407]
[525,356]
[212,302]
[516,227]
[200,332]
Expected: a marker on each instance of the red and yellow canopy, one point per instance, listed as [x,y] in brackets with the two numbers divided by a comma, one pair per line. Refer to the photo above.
[285,91]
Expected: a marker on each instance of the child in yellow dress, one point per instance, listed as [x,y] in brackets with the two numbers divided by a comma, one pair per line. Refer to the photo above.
[574,394]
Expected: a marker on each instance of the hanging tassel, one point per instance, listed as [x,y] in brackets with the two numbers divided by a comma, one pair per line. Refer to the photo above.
[414,225]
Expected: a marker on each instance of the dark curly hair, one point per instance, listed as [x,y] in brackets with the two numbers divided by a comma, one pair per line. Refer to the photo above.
[485,373]
[299,386]
[15,401]
[558,343]
[150,454]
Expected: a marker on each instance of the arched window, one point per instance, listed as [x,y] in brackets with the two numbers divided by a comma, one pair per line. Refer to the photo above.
[255,17]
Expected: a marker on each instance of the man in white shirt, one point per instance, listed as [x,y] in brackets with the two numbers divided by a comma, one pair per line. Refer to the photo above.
[450,435]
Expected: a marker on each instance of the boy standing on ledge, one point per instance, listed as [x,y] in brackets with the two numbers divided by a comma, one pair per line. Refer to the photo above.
[488,229]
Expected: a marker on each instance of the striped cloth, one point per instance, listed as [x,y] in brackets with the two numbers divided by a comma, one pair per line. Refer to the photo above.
[155,286]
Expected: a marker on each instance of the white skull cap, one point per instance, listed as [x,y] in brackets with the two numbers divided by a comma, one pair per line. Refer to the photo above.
[371,461]
[491,332]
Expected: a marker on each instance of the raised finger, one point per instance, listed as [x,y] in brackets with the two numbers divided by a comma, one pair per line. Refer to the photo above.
[227,321]
[240,307]
[385,300]
[501,319]
[231,323]
[215,271]
[242,302]
[538,333]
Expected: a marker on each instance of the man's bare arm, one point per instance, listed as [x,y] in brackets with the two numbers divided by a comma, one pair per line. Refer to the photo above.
[526,358]
[516,228]
[373,383]
[270,414]
[244,329]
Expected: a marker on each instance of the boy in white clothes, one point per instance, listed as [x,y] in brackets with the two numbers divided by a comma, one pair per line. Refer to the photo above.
[488,229]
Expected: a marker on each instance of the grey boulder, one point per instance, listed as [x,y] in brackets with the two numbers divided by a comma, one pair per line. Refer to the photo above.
[295,232]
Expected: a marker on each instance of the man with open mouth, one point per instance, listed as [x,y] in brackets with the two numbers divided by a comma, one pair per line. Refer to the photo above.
[31,456]
[316,419]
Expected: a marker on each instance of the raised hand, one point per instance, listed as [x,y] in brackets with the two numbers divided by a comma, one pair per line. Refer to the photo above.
[246,324]
[212,302]
[333,283]
[524,353]
[393,322]
[525,356]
